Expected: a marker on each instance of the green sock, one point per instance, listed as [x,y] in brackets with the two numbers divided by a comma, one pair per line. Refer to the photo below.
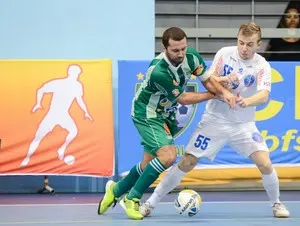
[150,174]
[127,182]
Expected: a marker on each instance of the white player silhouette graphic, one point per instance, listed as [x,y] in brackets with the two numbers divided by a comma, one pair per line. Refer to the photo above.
[64,91]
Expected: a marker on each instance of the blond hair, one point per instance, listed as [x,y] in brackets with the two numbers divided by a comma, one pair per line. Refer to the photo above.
[250,29]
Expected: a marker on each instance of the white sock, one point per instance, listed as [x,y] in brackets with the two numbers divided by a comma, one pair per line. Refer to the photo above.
[168,183]
[271,185]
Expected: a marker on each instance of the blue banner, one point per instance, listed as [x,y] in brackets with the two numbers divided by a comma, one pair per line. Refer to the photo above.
[278,120]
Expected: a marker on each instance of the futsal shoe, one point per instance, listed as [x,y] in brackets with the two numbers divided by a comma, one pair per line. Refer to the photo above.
[280,211]
[131,207]
[108,199]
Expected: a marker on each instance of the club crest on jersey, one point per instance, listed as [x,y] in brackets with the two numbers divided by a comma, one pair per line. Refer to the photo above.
[175,83]
[249,80]
[257,137]
[235,84]
[241,70]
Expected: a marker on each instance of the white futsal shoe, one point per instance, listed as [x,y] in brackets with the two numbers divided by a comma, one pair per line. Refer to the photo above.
[146,209]
[280,211]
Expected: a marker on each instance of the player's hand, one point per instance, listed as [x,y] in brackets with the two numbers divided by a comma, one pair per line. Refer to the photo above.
[87,115]
[36,107]
[233,77]
[229,80]
[242,102]
[230,99]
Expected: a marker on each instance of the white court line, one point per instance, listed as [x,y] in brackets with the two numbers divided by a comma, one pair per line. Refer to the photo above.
[162,203]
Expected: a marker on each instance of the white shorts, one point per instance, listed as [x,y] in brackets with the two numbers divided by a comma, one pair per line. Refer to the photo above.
[209,138]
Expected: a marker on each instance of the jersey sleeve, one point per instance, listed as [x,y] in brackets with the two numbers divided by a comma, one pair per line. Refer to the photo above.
[264,77]
[164,83]
[198,65]
[217,65]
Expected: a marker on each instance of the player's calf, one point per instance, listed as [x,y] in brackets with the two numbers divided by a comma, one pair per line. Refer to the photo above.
[187,163]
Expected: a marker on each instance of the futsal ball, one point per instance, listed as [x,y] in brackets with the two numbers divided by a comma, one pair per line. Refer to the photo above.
[69,159]
[188,202]
[183,115]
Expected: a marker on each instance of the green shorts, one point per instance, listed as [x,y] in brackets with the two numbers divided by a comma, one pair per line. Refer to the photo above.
[155,133]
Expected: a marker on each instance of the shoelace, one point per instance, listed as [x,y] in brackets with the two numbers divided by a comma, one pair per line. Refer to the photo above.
[279,206]
[136,205]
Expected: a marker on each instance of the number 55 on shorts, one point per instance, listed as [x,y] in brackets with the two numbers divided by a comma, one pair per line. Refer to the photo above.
[201,142]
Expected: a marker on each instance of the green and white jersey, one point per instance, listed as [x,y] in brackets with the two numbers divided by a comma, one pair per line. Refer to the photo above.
[164,83]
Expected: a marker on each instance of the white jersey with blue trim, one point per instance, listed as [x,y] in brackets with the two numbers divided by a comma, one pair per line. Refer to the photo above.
[254,75]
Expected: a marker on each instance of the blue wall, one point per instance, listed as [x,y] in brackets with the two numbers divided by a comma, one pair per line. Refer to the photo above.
[77,29]
[74,29]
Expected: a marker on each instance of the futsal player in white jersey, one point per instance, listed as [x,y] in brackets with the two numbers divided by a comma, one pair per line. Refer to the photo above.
[221,125]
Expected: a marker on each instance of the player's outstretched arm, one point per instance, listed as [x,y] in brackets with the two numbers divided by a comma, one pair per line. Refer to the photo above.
[187,98]
[39,96]
[83,107]
[259,98]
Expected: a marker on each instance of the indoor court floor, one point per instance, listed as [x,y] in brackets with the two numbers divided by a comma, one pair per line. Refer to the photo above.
[218,209]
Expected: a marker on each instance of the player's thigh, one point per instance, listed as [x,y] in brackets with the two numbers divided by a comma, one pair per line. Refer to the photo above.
[68,123]
[207,140]
[46,125]
[246,139]
[154,133]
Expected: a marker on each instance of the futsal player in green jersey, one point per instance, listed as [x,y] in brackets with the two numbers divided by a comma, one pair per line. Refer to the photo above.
[153,113]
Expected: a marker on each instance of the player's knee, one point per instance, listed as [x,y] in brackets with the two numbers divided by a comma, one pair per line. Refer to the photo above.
[73,133]
[167,155]
[187,163]
[265,168]
[262,161]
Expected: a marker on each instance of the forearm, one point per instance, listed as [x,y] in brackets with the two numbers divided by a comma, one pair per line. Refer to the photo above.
[212,84]
[194,97]
[82,104]
[39,96]
[258,99]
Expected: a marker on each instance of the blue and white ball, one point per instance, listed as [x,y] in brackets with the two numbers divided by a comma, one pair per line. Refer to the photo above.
[188,202]
[183,115]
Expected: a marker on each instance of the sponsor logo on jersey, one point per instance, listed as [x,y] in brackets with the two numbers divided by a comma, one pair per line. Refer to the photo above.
[249,80]
[267,84]
[164,102]
[175,92]
[175,83]
[231,58]
[259,76]
[257,137]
